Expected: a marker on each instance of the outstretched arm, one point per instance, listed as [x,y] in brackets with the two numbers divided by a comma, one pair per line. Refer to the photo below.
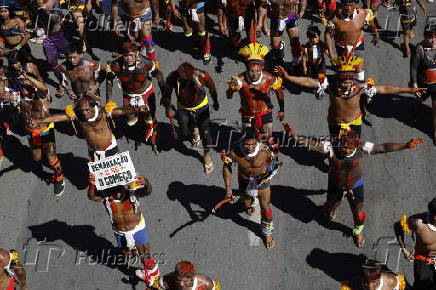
[309,143]
[392,147]
[52,119]
[301,81]
[387,90]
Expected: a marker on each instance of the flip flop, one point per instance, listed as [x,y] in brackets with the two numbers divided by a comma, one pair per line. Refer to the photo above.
[208,168]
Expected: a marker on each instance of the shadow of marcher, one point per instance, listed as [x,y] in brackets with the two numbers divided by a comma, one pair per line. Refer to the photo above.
[295,202]
[75,169]
[83,238]
[339,266]
[300,154]
[402,109]
[21,158]
[206,197]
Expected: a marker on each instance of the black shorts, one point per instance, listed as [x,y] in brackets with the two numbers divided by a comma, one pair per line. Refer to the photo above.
[408,17]
[38,141]
[425,276]
[359,50]
[234,22]
[334,195]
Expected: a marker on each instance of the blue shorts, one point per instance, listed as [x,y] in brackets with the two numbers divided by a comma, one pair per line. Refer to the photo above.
[141,238]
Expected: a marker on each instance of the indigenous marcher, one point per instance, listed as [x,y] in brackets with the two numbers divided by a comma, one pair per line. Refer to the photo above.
[85,75]
[135,73]
[313,58]
[347,30]
[192,112]
[257,164]
[13,34]
[93,120]
[345,112]
[185,277]
[128,222]
[234,17]
[194,20]
[374,276]
[423,71]
[408,16]
[254,86]
[12,272]
[137,13]
[285,16]
[423,226]
[346,172]
[34,102]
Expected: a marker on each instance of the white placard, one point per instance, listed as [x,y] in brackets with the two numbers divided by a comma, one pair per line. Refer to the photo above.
[113,171]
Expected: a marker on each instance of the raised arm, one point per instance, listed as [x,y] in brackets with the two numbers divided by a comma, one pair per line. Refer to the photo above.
[109,85]
[92,189]
[392,147]
[301,81]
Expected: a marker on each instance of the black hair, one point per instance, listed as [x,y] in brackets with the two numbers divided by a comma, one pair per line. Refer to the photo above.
[313,31]
[75,48]
[432,206]
[250,133]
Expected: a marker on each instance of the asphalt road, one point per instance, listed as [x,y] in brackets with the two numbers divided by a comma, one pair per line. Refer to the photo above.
[309,254]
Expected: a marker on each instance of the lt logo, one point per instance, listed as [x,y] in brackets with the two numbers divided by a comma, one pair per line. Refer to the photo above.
[39,254]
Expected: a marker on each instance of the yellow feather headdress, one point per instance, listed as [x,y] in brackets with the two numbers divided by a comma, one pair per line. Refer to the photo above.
[254,52]
[348,64]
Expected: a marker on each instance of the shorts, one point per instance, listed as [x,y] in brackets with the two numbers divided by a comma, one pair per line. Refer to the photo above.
[199,118]
[234,23]
[184,11]
[147,16]
[43,138]
[55,44]
[110,150]
[431,91]
[335,195]
[141,238]
[425,276]
[408,17]
[266,119]
[290,24]
[243,183]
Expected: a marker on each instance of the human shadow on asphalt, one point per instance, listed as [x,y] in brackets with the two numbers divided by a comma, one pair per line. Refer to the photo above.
[83,238]
[296,203]
[339,266]
[402,108]
[300,154]
[75,168]
[206,197]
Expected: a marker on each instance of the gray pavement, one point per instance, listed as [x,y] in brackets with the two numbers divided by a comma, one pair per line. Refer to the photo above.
[309,253]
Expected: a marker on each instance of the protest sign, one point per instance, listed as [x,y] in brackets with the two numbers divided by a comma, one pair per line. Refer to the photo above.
[113,171]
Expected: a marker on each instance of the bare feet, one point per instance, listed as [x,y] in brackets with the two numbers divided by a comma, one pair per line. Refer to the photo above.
[269,242]
[359,240]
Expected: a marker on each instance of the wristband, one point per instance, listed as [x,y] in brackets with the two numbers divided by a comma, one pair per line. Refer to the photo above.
[18,47]
[92,187]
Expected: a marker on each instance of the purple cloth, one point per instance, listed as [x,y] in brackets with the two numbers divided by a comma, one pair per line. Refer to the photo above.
[54,44]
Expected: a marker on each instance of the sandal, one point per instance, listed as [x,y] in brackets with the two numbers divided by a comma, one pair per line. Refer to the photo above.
[208,168]
[196,142]
[269,242]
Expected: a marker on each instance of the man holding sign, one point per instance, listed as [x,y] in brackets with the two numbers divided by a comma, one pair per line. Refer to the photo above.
[128,223]
[93,120]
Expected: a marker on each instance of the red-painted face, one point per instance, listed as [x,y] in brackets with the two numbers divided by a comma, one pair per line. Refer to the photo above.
[254,71]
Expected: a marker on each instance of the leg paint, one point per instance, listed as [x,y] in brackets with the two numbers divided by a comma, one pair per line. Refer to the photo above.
[57,170]
[267,224]
[151,271]
[359,221]
[204,42]
[147,46]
